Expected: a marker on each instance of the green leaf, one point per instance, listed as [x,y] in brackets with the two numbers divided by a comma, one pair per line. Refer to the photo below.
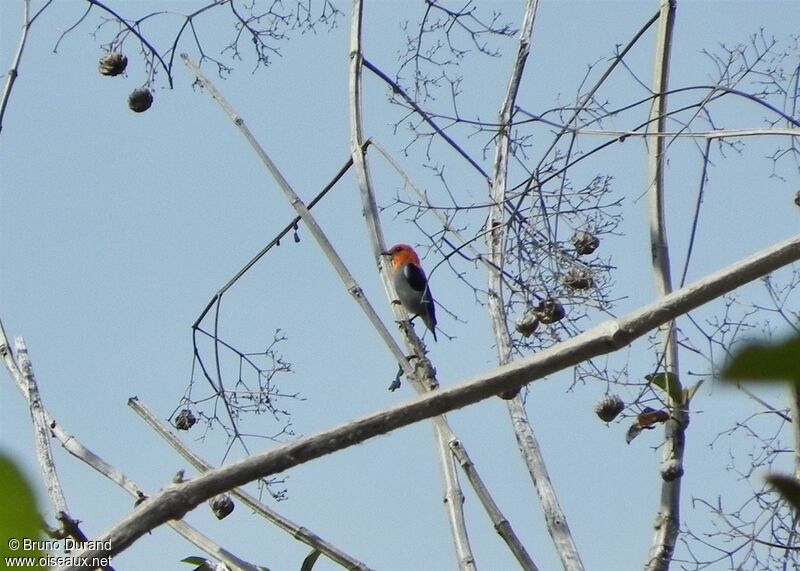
[310,560]
[669,383]
[19,518]
[688,394]
[788,487]
[766,361]
[202,563]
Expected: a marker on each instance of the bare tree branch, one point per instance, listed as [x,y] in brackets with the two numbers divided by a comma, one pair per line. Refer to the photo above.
[667,521]
[177,499]
[531,453]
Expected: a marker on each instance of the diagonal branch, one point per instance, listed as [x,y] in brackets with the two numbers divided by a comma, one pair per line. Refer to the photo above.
[178,499]
[302,210]
[44,451]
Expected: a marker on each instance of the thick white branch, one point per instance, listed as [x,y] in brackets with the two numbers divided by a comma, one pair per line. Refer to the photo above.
[667,520]
[609,336]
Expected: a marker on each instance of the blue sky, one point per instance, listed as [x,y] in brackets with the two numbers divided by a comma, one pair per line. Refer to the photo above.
[116,229]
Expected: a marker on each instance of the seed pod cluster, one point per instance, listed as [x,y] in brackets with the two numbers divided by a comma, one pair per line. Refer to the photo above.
[114,63]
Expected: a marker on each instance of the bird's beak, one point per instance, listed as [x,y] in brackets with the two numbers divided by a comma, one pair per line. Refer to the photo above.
[386,253]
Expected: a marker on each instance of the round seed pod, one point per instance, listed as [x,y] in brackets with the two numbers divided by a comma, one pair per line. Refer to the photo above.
[585,243]
[608,407]
[140,100]
[527,324]
[577,279]
[222,505]
[549,311]
[112,63]
[185,420]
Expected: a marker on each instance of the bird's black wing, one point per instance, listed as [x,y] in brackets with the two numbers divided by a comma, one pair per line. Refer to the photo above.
[415,277]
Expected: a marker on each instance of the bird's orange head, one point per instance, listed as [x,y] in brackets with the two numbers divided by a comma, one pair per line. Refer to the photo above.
[402,254]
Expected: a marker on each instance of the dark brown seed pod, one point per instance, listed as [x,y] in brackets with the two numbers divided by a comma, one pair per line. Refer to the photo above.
[797,198]
[140,100]
[608,407]
[112,63]
[585,243]
[222,505]
[527,324]
[578,279]
[185,420]
[549,311]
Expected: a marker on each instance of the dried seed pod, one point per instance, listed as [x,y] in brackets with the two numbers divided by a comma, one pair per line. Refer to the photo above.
[585,243]
[549,311]
[185,420]
[608,407]
[578,279]
[113,63]
[140,100]
[671,470]
[797,198]
[527,324]
[222,505]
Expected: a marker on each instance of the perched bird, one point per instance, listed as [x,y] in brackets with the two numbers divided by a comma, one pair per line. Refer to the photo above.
[412,285]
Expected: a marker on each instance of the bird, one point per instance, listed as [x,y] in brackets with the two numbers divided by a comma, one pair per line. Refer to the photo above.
[411,284]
